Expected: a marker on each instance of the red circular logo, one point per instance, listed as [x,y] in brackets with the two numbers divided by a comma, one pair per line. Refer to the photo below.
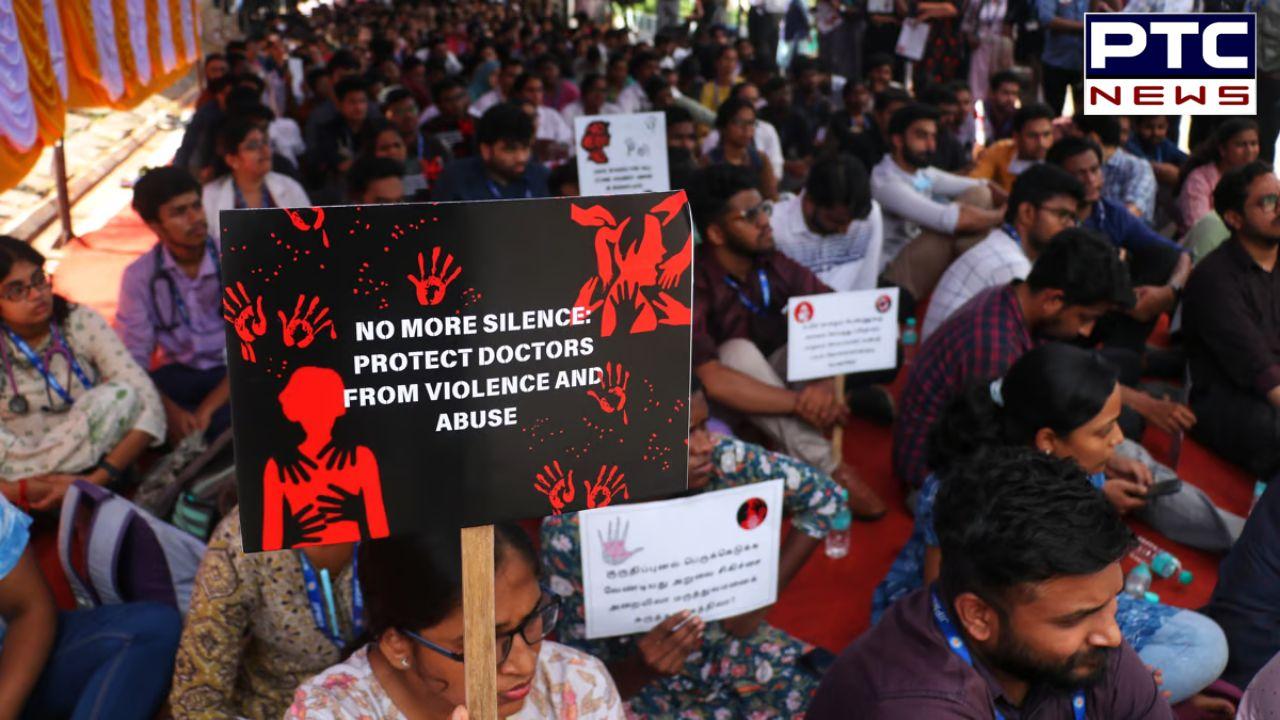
[751,514]
[804,312]
[884,303]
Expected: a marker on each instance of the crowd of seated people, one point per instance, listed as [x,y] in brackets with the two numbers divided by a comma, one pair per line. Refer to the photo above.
[1043,257]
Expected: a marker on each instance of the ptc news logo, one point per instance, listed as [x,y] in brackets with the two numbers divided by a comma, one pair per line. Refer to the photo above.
[1160,64]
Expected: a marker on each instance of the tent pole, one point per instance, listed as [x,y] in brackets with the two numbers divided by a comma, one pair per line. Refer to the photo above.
[64,196]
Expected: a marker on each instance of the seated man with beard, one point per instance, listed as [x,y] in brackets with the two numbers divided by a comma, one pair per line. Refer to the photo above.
[930,216]
[503,170]
[1022,620]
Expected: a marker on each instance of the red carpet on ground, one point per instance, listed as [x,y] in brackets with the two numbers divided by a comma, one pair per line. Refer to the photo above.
[829,602]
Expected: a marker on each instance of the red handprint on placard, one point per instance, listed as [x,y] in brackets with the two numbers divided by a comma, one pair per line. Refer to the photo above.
[246,317]
[606,487]
[556,485]
[301,223]
[430,288]
[302,327]
[613,390]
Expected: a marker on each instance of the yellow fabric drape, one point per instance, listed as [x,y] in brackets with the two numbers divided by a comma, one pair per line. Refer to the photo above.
[46,95]
[45,92]
[87,86]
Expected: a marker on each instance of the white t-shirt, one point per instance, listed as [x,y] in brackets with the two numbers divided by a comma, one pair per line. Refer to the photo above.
[551,126]
[766,139]
[916,201]
[567,683]
[844,262]
[484,102]
[633,99]
[997,260]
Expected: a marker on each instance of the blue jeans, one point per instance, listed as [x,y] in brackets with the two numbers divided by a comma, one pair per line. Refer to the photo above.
[110,662]
[1190,650]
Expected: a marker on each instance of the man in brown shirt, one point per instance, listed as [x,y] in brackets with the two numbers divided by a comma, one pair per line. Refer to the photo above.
[1021,624]
[1231,320]
[740,292]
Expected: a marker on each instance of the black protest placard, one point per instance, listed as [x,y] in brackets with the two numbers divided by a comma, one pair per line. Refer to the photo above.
[396,367]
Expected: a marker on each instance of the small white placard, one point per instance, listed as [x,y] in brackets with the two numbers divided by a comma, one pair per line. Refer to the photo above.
[714,554]
[913,39]
[621,153]
[842,332]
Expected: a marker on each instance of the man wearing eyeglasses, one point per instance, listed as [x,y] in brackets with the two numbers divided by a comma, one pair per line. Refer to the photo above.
[170,306]
[741,289]
[1231,321]
[1158,269]
[1044,202]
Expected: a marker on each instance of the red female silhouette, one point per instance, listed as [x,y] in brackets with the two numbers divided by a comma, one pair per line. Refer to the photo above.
[347,498]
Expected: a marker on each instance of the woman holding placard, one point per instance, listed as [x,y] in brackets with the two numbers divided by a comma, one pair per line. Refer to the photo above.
[740,666]
[413,665]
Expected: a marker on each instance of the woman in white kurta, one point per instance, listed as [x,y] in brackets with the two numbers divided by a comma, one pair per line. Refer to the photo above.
[73,403]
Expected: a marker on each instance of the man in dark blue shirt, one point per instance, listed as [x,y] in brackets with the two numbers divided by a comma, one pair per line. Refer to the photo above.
[1158,270]
[503,169]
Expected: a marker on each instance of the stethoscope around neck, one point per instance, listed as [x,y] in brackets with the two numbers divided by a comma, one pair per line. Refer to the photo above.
[179,314]
[43,363]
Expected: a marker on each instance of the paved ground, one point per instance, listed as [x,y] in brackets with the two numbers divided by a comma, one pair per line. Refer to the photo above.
[98,142]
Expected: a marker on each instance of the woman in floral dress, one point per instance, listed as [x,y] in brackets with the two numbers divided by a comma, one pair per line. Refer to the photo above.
[739,667]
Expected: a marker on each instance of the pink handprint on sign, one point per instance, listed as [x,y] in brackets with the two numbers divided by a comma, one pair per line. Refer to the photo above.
[302,327]
[246,317]
[606,487]
[614,545]
[556,485]
[430,288]
[612,397]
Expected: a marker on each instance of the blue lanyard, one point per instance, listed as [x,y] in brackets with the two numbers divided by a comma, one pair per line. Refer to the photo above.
[324,610]
[1012,232]
[497,194]
[742,296]
[956,643]
[240,204]
[178,303]
[55,341]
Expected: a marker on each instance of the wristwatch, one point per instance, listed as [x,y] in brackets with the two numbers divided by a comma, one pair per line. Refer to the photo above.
[113,472]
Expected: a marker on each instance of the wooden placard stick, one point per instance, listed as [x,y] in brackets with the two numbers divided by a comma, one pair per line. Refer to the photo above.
[478,623]
[837,437]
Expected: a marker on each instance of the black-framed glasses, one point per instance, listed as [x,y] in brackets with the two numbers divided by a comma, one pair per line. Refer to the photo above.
[1269,202]
[753,214]
[533,629]
[16,291]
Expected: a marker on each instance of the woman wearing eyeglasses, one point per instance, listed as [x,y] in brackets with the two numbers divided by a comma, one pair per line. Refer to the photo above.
[248,181]
[73,403]
[413,666]
[736,123]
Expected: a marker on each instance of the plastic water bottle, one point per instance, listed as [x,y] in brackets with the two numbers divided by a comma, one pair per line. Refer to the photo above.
[838,537]
[1162,562]
[1259,487]
[910,340]
[1138,582]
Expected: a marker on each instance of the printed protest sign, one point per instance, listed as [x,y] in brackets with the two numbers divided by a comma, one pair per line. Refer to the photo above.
[842,333]
[714,554]
[622,153]
[402,366]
